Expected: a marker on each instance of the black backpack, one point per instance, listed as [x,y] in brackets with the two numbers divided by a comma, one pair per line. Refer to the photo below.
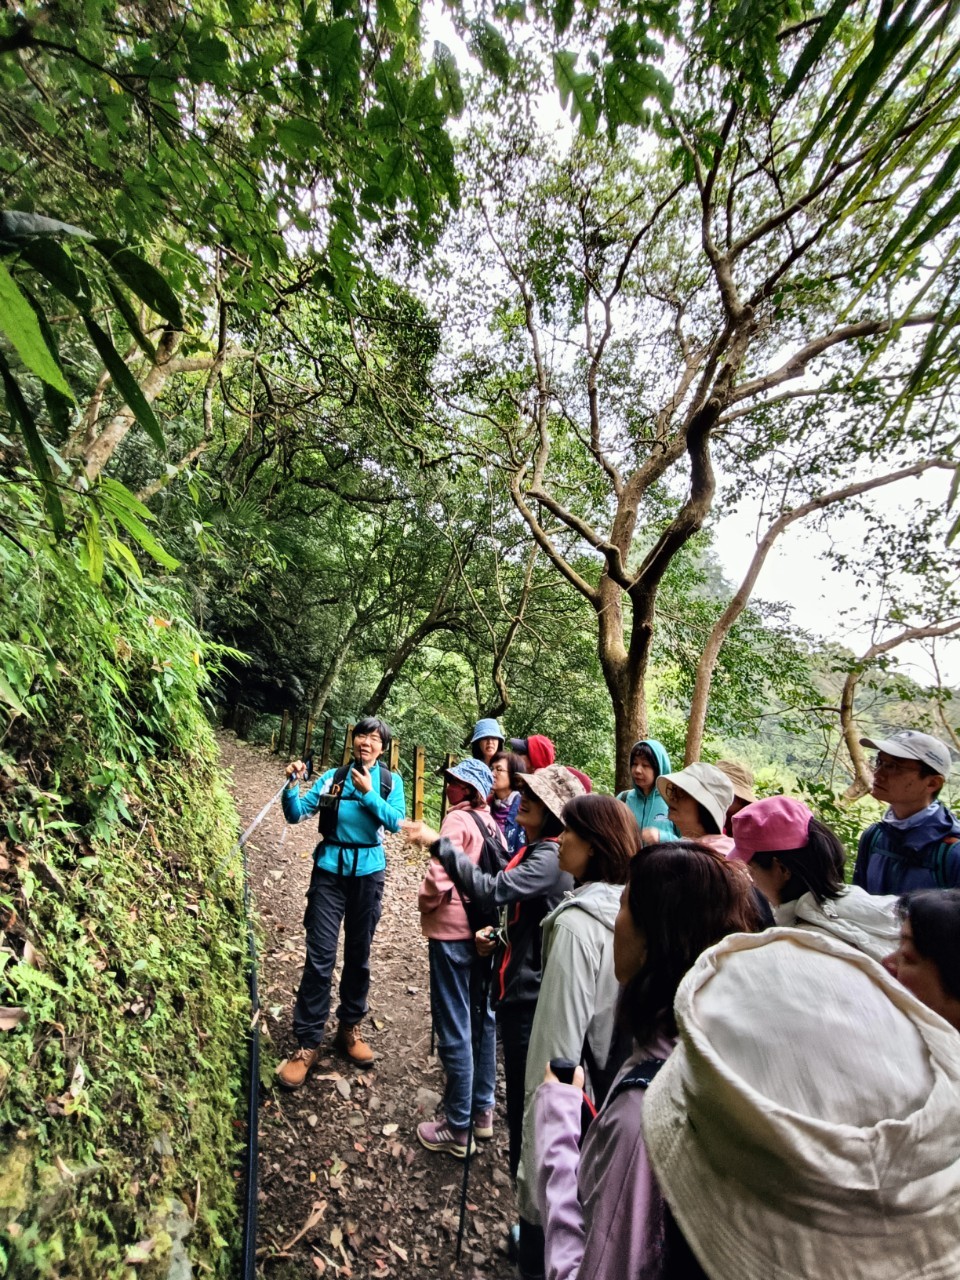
[493,858]
[328,805]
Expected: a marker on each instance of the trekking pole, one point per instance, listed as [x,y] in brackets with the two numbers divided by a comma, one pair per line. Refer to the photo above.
[485,979]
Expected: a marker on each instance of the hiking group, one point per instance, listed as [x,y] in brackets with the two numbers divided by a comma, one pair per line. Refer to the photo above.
[720,1059]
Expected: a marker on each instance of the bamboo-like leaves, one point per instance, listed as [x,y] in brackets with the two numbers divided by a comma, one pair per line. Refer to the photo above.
[124,381]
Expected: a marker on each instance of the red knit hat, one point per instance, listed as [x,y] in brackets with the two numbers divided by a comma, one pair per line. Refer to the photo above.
[539,750]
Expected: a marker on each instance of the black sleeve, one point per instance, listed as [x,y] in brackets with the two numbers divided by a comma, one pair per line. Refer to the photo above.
[536,874]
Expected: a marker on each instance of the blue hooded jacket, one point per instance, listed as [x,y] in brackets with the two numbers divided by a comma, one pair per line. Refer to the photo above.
[898,860]
[651,810]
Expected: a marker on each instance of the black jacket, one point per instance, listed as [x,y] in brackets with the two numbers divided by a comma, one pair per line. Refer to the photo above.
[527,889]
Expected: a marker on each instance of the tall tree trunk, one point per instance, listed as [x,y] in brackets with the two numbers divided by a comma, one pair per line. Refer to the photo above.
[862,776]
[337,659]
[398,658]
[624,672]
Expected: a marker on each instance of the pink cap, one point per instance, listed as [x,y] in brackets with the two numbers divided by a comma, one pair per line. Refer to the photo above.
[770,826]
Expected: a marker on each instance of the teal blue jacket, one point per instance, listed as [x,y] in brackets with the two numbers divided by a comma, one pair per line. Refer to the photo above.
[360,821]
[651,810]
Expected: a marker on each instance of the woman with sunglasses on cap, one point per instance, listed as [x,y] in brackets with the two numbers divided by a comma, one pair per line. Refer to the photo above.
[927,959]
[528,888]
[601,1208]
[576,1009]
[797,863]
[462,1020]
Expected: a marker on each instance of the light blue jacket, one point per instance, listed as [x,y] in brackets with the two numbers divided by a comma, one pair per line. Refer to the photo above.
[360,821]
[651,810]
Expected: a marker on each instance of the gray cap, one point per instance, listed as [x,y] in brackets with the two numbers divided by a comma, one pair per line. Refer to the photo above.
[908,744]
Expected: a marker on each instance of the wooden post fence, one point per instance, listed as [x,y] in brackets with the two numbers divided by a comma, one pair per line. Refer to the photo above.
[448,762]
[327,743]
[419,769]
[282,735]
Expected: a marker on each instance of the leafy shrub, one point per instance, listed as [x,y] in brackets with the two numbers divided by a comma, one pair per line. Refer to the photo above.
[122,956]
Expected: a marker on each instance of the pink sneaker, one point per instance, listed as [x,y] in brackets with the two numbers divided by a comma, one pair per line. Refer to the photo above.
[483,1124]
[436,1135]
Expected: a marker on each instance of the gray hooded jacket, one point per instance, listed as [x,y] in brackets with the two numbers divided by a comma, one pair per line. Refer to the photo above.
[578,1001]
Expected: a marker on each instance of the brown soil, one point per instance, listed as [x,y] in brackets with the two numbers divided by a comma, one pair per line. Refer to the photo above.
[340,1156]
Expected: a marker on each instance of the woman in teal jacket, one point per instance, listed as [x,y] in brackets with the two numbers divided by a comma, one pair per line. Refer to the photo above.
[346,888]
[648,760]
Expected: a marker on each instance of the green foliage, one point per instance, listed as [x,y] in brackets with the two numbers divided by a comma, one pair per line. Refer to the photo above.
[845,820]
[122,922]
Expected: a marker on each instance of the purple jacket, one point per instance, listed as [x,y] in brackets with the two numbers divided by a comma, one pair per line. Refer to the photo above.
[601,1208]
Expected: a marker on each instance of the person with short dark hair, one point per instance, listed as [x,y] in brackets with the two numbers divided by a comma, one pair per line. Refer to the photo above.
[506,767]
[346,888]
[602,1210]
[798,863]
[648,761]
[915,844]
[486,740]
[927,959]
[576,1009]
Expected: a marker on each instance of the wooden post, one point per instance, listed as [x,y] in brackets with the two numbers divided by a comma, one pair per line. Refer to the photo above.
[448,762]
[294,733]
[348,744]
[307,738]
[419,768]
[327,743]
[394,755]
[282,735]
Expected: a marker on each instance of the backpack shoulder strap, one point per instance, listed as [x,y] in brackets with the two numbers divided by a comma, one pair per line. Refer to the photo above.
[481,825]
[339,778]
[386,781]
[941,859]
[638,1077]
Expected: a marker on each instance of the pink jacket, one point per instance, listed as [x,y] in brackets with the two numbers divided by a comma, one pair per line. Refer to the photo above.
[441,912]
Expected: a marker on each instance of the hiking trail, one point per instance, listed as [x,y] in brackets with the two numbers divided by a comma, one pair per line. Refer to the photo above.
[345,1187]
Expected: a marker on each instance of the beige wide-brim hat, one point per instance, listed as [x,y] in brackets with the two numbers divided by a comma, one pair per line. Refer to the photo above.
[708,786]
[807,1126]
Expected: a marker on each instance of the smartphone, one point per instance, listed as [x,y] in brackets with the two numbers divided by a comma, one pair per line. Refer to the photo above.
[358,765]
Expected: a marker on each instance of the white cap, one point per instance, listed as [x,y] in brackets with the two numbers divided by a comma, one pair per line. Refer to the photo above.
[908,744]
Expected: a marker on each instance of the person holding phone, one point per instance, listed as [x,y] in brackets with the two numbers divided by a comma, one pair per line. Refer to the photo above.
[346,888]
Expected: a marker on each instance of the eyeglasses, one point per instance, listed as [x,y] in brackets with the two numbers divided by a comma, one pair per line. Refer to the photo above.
[894,766]
[368,737]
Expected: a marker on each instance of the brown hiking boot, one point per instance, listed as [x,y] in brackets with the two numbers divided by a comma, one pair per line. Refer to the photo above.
[292,1073]
[351,1042]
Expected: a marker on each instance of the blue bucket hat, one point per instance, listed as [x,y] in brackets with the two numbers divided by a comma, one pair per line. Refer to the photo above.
[486,729]
[474,773]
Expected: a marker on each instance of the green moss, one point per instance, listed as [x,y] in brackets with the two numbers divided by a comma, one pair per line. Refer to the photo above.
[122,935]
[127,1072]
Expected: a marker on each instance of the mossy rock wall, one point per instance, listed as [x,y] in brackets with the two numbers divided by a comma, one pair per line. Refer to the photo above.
[119,1088]
[123,959]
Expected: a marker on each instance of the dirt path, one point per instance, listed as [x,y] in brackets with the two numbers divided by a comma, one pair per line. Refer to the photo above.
[340,1156]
